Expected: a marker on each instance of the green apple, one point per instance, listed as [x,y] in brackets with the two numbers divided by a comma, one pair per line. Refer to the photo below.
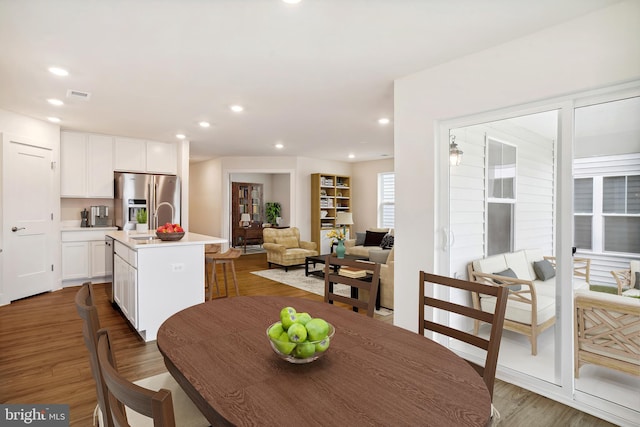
[283,344]
[304,350]
[276,330]
[322,345]
[317,329]
[303,318]
[297,333]
[289,320]
[287,311]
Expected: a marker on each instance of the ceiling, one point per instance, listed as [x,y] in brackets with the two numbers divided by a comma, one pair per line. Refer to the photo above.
[315,76]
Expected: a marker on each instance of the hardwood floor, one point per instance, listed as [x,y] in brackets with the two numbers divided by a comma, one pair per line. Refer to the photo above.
[43,358]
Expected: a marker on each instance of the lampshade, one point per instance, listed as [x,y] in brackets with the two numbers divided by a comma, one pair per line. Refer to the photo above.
[245,217]
[344,218]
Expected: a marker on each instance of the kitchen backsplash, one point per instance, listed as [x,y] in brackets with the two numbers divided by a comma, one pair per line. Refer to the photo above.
[70,208]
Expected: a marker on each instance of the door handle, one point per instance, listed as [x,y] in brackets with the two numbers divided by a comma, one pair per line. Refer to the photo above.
[14,229]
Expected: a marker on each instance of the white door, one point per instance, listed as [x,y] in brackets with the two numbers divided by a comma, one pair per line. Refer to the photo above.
[28,225]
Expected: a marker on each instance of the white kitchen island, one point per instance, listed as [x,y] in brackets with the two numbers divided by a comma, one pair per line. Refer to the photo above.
[154,279]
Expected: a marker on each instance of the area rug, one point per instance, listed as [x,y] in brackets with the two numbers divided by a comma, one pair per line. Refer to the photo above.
[295,277]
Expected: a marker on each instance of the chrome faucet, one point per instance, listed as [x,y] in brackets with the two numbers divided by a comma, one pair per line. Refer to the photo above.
[155,214]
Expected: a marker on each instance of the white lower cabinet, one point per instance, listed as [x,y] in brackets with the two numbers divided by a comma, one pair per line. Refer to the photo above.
[75,260]
[125,282]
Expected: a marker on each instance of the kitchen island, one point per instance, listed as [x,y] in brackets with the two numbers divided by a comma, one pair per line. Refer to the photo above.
[154,279]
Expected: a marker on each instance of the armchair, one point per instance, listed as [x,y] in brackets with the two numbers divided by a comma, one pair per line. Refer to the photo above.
[284,247]
[628,280]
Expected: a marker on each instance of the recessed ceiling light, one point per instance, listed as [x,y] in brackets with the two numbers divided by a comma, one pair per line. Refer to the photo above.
[180,136]
[291,1]
[237,108]
[384,121]
[53,119]
[204,124]
[352,156]
[55,102]
[58,71]
[279,146]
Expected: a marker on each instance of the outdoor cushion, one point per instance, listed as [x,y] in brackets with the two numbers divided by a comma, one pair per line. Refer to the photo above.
[517,261]
[490,264]
[544,270]
[521,312]
[533,255]
[508,273]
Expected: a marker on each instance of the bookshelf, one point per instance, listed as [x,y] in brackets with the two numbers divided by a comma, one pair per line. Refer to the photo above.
[330,194]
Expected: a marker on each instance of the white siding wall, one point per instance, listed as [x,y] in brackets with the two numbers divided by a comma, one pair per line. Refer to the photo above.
[534,208]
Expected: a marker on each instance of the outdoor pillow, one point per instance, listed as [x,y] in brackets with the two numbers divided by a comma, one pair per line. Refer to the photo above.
[360,238]
[387,241]
[508,273]
[373,238]
[288,242]
[544,270]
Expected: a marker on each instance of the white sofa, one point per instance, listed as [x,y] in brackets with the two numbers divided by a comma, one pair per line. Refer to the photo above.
[360,250]
[531,307]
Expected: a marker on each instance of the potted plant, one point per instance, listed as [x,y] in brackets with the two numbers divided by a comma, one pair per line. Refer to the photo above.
[273,212]
[141,217]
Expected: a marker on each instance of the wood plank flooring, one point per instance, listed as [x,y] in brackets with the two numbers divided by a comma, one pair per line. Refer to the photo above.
[43,358]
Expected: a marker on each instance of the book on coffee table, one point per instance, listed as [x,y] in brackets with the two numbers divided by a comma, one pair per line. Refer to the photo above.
[354,273]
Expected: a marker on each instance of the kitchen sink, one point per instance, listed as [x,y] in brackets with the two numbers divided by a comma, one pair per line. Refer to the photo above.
[150,237]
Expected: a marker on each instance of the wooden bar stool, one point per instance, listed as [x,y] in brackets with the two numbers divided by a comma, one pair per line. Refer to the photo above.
[224,259]
[210,250]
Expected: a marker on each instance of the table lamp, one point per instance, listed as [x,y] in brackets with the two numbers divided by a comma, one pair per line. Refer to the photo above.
[245,218]
[344,219]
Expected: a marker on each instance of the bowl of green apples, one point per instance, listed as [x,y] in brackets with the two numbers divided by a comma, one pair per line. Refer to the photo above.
[298,337]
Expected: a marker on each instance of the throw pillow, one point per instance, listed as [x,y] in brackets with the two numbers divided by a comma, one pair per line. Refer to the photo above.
[373,238]
[544,270]
[508,273]
[288,242]
[360,238]
[387,241]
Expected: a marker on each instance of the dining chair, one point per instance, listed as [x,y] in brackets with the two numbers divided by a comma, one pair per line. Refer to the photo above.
[369,283]
[91,324]
[495,319]
[223,258]
[122,393]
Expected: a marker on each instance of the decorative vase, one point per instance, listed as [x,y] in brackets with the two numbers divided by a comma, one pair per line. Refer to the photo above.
[340,249]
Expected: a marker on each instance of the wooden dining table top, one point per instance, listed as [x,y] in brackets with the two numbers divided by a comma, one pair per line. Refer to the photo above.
[373,373]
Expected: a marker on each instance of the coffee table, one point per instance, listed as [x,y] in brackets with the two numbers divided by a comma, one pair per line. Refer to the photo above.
[322,259]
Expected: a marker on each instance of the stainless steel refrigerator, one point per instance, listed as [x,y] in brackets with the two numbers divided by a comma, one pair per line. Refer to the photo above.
[158,194]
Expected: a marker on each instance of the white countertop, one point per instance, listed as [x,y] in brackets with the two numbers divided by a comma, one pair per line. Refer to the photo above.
[78,228]
[128,238]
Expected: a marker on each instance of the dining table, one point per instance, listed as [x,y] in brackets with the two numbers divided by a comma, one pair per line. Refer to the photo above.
[373,373]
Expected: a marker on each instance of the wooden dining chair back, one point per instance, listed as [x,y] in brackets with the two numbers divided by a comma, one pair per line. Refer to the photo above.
[495,319]
[90,326]
[158,405]
[369,283]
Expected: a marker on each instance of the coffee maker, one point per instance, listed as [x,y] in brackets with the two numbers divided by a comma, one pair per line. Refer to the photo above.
[99,216]
[84,215]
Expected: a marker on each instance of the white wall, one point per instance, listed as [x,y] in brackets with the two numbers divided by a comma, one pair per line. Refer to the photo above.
[593,51]
[364,181]
[205,198]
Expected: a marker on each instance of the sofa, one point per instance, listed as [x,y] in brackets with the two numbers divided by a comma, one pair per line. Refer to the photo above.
[530,275]
[284,247]
[607,331]
[386,260]
[365,242]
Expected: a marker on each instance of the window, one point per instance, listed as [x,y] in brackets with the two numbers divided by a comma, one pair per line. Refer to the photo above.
[501,193]
[583,213]
[386,199]
[621,213]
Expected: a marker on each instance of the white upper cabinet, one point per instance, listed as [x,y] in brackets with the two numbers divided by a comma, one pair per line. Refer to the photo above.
[73,164]
[162,157]
[130,155]
[86,165]
[100,166]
